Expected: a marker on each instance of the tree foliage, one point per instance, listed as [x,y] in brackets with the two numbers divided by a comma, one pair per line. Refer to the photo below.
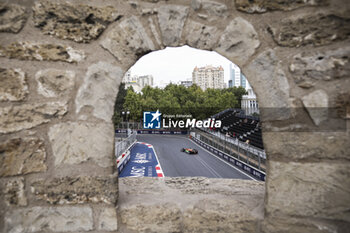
[178,99]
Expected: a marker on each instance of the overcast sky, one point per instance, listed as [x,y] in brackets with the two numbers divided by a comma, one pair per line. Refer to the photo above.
[175,64]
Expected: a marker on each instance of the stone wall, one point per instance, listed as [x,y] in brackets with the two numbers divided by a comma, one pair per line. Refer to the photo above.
[61,65]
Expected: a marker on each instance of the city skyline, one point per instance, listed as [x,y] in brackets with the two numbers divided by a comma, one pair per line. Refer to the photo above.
[177,63]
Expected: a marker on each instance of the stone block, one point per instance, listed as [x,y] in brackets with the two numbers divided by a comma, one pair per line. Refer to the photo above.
[302,225]
[47,219]
[201,36]
[171,20]
[100,89]
[266,72]
[190,204]
[262,6]
[238,38]
[219,216]
[313,190]
[321,65]
[21,156]
[13,85]
[14,192]
[26,116]
[210,10]
[316,103]
[128,41]
[80,23]
[152,218]
[302,31]
[307,145]
[342,104]
[77,190]
[55,83]
[79,142]
[12,17]
[108,219]
[41,52]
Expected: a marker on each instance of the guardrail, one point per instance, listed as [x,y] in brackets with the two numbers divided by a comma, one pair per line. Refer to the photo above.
[250,148]
[122,152]
[260,175]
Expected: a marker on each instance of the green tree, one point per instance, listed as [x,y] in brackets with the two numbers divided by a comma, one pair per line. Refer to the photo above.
[118,106]
[177,99]
[133,104]
[238,92]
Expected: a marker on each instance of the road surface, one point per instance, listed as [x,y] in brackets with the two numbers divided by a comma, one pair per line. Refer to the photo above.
[176,163]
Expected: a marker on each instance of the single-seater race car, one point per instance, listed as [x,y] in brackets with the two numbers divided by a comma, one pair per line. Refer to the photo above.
[189,150]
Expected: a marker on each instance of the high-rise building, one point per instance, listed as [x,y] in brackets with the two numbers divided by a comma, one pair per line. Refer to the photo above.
[235,76]
[230,83]
[249,102]
[208,77]
[243,81]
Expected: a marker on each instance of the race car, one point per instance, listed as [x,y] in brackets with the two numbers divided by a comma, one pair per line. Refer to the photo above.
[189,150]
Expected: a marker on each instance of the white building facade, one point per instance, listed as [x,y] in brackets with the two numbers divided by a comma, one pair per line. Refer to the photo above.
[137,82]
[249,102]
[208,77]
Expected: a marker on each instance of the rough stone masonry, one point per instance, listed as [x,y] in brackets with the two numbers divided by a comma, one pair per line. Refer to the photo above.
[61,63]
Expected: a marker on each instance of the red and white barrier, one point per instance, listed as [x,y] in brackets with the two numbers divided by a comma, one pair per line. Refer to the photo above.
[148,145]
[121,159]
[159,171]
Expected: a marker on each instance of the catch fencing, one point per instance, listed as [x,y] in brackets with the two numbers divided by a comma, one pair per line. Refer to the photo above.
[248,168]
[236,149]
[124,144]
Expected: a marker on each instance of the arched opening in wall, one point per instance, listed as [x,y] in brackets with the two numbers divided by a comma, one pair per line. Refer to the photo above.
[184,112]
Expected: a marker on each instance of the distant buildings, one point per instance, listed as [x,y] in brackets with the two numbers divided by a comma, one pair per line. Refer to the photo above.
[208,77]
[186,83]
[249,102]
[145,80]
[137,82]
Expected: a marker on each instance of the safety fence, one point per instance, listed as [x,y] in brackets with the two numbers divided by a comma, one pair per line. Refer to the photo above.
[237,150]
[256,173]
[240,145]
[122,148]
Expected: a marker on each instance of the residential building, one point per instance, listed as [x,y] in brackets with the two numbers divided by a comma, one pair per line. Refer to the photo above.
[137,82]
[145,80]
[208,77]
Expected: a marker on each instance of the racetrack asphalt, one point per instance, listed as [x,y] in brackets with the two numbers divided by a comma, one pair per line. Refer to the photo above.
[176,163]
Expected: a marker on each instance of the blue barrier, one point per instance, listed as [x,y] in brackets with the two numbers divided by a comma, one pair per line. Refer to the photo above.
[145,131]
[121,131]
[237,163]
[143,162]
[172,132]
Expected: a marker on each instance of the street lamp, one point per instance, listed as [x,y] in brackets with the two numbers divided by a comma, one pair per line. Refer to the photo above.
[126,115]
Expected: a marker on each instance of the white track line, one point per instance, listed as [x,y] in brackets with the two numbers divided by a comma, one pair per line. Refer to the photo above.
[155,153]
[208,167]
[223,160]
